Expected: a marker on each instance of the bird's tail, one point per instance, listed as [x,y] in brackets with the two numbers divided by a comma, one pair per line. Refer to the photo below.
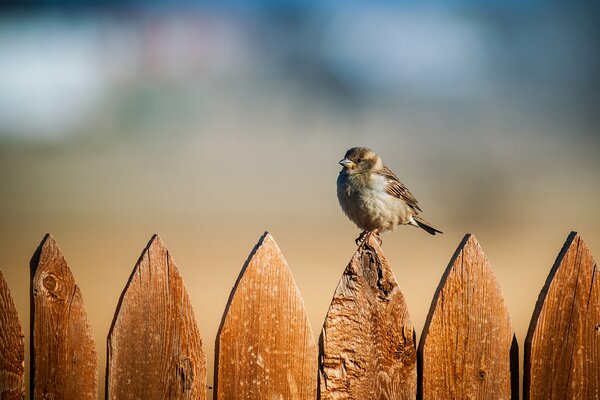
[426,225]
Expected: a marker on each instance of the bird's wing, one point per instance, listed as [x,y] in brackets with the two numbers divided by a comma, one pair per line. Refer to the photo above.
[397,189]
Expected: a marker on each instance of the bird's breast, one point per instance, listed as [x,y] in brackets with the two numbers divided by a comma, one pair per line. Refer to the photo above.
[353,183]
[367,203]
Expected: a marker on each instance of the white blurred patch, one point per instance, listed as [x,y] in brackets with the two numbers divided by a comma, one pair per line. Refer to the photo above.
[49,76]
[428,52]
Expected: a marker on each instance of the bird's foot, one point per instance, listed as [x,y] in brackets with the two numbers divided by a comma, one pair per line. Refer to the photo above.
[365,235]
[361,238]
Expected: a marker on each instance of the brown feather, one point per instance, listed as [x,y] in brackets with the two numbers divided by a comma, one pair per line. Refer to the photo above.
[397,188]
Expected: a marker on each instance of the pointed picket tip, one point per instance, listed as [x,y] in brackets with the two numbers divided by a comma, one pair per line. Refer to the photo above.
[155,241]
[265,348]
[154,344]
[367,345]
[60,329]
[467,349]
[12,347]
[562,348]
[47,242]
[154,244]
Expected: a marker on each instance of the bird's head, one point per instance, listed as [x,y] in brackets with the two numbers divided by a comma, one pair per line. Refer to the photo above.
[360,159]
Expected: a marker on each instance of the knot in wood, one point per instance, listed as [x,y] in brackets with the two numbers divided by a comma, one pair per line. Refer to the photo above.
[597,328]
[481,375]
[49,282]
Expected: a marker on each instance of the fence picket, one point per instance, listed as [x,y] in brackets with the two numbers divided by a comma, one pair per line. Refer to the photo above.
[12,348]
[154,345]
[468,348]
[367,344]
[63,361]
[265,348]
[562,349]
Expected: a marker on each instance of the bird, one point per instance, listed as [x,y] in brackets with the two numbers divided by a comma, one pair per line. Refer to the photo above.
[373,197]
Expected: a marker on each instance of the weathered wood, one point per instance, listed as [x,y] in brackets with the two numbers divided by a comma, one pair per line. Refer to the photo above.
[265,348]
[368,342]
[63,358]
[467,344]
[562,348]
[154,345]
[12,348]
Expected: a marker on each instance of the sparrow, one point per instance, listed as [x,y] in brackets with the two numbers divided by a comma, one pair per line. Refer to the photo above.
[373,197]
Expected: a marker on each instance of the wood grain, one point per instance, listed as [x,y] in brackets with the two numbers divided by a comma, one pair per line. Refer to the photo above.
[63,359]
[562,349]
[154,345]
[368,342]
[265,348]
[12,348]
[467,344]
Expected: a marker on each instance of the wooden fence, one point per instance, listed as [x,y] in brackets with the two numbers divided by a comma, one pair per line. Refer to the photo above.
[266,349]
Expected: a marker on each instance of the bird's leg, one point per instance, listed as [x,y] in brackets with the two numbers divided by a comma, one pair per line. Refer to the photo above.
[363,236]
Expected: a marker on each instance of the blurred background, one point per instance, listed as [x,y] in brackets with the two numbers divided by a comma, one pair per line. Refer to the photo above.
[209,123]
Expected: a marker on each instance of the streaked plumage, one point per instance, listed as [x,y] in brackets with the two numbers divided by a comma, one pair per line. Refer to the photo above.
[373,197]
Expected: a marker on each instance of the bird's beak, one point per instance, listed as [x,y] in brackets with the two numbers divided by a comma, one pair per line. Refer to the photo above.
[346,163]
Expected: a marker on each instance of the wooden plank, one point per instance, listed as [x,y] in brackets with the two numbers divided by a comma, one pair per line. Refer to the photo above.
[368,342]
[468,350]
[154,345]
[63,361]
[12,348]
[265,347]
[562,348]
